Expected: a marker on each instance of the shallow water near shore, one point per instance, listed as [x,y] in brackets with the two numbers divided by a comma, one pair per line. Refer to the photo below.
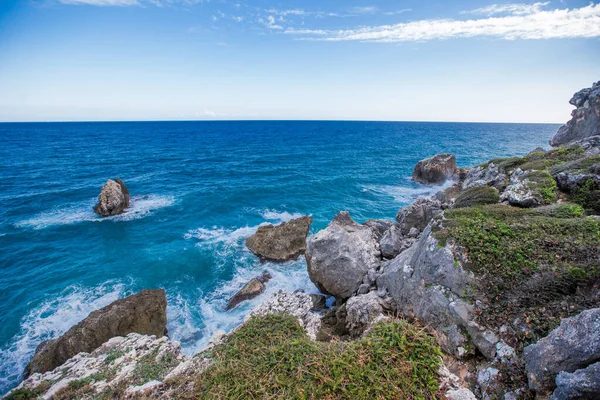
[198,190]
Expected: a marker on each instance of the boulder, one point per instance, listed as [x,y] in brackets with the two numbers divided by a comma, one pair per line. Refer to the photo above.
[529,189]
[585,121]
[583,384]
[361,312]
[319,302]
[250,290]
[489,175]
[283,242]
[143,313]
[113,198]
[393,242]
[379,226]
[418,214]
[575,344]
[436,169]
[339,256]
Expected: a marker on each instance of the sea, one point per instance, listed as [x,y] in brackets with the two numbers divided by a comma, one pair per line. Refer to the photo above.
[198,188]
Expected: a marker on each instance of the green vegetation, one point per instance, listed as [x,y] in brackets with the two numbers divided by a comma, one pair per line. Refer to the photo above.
[539,160]
[28,393]
[477,196]
[542,185]
[113,355]
[532,264]
[270,357]
[151,368]
[587,195]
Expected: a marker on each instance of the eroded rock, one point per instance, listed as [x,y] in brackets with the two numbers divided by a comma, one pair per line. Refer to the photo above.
[418,214]
[283,242]
[585,121]
[583,384]
[361,312]
[436,169]
[489,175]
[250,290]
[113,198]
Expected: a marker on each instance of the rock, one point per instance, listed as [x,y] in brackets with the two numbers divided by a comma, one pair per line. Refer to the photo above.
[575,344]
[296,304]
[361,311]
[460,394]
[333,325]
[418,214]
[477,196]
[282,242]
[436,169]
[379,226]
[111,368]
[585,121]
[391,243]
[582,384]
[250,290]
[319,302]
[339,256]
[489,175]
[488,380]
[144,313]
[113,198]
[528,189]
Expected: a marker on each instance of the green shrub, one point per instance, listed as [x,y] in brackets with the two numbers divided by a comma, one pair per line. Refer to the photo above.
[477,196]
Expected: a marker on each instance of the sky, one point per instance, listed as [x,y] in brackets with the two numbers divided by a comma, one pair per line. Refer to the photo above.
[403,60]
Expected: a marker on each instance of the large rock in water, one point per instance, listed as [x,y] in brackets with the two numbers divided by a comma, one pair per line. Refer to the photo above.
[113,198]
[250,290]
[339,256]
[283,242]
[436,169]
[575,344]
[585,121]
[143,313]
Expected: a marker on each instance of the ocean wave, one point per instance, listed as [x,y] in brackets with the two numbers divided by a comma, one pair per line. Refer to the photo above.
[140,207]
[50,320]
[280,216]
[404,194]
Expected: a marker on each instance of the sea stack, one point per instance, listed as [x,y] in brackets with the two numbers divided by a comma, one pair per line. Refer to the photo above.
[436,169]
[113,198]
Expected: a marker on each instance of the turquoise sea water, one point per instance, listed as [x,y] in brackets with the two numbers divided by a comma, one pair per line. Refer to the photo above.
[198,190]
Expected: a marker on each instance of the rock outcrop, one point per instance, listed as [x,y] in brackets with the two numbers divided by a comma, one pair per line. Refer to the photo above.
[339,256]
[529,189]
[144,313]
[361,312]
[113,198]
[583,384]
[418,214]
[574,345]
[250,290]
[585,121]
[490,175]
[283,242]
[436,169]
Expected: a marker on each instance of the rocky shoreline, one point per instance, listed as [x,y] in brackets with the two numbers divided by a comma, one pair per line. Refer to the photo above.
[501,270]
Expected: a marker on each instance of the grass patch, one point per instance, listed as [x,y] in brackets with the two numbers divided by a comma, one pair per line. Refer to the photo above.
[477,196]
[149,368]
[270,357]
[529,265]
[542,185]
[563,210]
[113,355]
[540,160]
[28,393]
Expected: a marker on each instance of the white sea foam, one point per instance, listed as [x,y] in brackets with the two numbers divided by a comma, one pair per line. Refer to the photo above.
[404,194]
[140,207]
[49,320]
[273,215]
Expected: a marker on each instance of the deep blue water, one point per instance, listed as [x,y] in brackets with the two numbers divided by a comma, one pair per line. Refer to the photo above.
[199,189]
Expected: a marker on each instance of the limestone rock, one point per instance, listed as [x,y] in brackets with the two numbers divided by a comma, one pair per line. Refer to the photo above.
[489,175]
[585,121]
[144,313]
[319,302]
[379,226]
[297,304]
[250,290]
[575,344]
[282,242]
[393,242]
[339,256]
[113,198]
[583,384]
[525,189]
[418,214]
[436,169]
[361,311]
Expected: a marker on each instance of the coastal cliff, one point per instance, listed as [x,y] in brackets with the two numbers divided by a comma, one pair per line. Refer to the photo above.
[488,289]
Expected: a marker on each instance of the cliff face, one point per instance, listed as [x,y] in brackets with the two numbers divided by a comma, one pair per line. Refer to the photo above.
[585,121]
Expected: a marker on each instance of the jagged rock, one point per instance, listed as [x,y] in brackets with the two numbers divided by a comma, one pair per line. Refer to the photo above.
[319,302]
[425,282]
[418,214]
[361,311]
[297,304]
[488,379]
[144,313]
[583,384]
[282,242]
[436,169]
[448,195]
[524,189]
[488,176]
[460,394]
[573,175]
[333,324]
[392,242]
[339,256]
[379,226]
[113,198]
[575,344]
[119,356]
[585,121]
[250,290]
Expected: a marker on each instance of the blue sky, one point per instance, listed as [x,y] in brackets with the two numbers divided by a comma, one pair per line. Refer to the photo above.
[370,60]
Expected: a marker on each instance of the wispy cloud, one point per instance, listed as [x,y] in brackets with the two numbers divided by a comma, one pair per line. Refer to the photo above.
[120,3]
[363,10]
[513,9]
[269,22]
[397,12]
[560,23]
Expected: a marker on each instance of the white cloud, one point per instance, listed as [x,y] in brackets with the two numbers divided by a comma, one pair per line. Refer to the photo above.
[566,23]
[404,10]
[288,12]
[270,22]
[513,9]
[363,10]
[121,3]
